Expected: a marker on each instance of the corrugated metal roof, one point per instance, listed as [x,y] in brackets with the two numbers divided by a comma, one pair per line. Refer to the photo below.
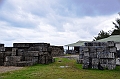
[115,38]
[79,43]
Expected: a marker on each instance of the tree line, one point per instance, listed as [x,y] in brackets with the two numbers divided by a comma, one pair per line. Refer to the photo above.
[116,31]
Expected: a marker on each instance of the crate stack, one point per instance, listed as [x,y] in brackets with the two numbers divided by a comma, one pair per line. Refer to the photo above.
[99,55]
[2,51]
[34,53]
[44,55]
[11,57]
[81,55]
[29,57]
[108,57]
[12,60]
[27,54]
[57,50]
[86,58]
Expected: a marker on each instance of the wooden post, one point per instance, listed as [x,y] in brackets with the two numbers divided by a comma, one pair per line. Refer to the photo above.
[68,48]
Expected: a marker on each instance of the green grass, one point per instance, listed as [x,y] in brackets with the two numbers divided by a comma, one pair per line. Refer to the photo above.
[53,71]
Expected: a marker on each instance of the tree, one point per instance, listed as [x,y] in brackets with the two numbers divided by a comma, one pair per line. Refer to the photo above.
[116,31]
[101,35]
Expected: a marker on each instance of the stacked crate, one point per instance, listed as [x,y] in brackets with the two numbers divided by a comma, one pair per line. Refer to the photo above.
[86,58]
[11,57]
[45,56]
[34,53]
[8,51]
[12,60]
[81,55]
[99,55]
[107,58]
[2,50]
[57,50]
[93,56]
[27,54]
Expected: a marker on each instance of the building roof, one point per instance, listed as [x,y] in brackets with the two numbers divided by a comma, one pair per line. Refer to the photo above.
[79,43]
[115,38]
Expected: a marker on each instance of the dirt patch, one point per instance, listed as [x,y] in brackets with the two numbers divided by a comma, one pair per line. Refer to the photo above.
[10,68]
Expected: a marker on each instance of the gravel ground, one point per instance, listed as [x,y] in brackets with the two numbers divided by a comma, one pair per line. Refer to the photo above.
[10,68]
[69,56]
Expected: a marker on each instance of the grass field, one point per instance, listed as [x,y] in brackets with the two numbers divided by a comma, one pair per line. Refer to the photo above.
[63,68]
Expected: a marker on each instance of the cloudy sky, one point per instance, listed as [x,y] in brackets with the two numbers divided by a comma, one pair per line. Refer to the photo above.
[58,22]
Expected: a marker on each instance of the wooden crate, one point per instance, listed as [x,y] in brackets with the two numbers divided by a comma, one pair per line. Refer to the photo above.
[12,63]
[56,50]
[43,60]
[92,49]
[31,53]
[1,45]
[85,49]
[100,49]
[104,65]
[110,44]
[85,66]
[95,61]
[93,54]
[113,49]
[103,61]
[81,56]
[1,62]
[14,51]
[86,54]
[24,63]
[111,66]
[111,55]
[112,61]
[33,59]
[95,66]
[8,53]
[2,49]
[21,45]
[2,55]
[38,48]
[13,58]
[86,60]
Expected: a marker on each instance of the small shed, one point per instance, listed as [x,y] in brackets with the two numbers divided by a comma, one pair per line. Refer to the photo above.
[76,45]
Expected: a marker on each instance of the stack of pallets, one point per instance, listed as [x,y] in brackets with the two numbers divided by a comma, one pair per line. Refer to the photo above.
[81,55]
[27,54]
[99,55]
[57,50]
[2,50]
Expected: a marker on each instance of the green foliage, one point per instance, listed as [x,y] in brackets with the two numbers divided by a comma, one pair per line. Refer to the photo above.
[102,35]
[117,26]
[116,31]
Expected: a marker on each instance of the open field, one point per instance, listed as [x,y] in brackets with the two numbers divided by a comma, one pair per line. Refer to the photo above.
[63,68]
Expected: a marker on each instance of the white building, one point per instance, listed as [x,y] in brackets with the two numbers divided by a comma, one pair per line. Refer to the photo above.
[115,38]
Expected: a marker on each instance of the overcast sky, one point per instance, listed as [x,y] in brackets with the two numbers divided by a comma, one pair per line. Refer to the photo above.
[58,22]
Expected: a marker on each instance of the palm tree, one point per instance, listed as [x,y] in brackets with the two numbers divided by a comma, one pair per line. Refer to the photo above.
[117,26]
[116,31]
